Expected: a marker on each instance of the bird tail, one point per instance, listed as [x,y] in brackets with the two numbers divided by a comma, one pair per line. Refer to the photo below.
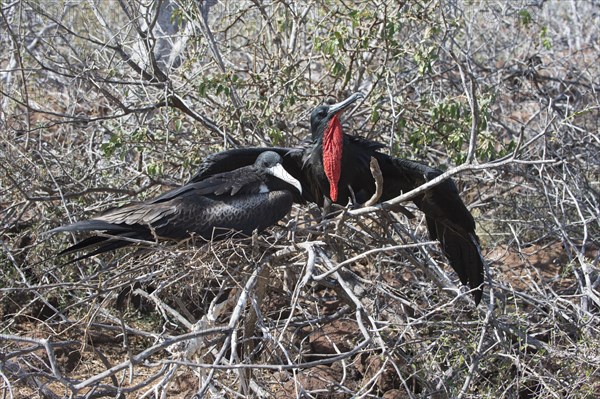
[92,225]
[116,237]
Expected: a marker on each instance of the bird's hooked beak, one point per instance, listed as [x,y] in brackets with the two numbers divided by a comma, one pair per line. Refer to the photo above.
[342,105]
[279,172]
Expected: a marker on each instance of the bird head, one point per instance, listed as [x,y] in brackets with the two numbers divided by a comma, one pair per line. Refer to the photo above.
[270,162]
[325,125]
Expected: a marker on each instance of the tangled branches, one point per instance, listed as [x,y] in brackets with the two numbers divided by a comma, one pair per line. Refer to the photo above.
[99,105]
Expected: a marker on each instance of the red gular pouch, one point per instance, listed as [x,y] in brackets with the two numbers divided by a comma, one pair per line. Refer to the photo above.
[333,144]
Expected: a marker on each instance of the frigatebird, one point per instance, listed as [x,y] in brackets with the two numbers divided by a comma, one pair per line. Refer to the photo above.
[242,200]
[334,167]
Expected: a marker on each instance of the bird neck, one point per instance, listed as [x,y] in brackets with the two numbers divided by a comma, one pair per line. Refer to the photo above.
[333,144]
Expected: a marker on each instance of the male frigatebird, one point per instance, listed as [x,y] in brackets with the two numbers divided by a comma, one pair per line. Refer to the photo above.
[334,167]
[242,200]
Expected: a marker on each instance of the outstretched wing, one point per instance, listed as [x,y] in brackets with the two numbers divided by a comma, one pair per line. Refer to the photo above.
[448,219]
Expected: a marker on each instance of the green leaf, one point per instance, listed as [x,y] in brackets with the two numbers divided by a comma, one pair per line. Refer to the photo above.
[154,169]
[202,89]
[525,17]
[338,68]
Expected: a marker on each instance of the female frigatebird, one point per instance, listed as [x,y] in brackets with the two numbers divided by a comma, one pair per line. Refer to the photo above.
[334,167]
[242,200]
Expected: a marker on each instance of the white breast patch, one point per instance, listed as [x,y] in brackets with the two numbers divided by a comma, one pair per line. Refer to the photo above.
[263,188]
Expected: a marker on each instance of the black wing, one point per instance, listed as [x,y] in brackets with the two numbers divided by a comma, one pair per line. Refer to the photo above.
[229,160]
[365,144]
[448,219]
[228,176]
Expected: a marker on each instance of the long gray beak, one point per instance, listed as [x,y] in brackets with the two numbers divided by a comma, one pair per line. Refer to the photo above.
[280,172]
[342,105]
